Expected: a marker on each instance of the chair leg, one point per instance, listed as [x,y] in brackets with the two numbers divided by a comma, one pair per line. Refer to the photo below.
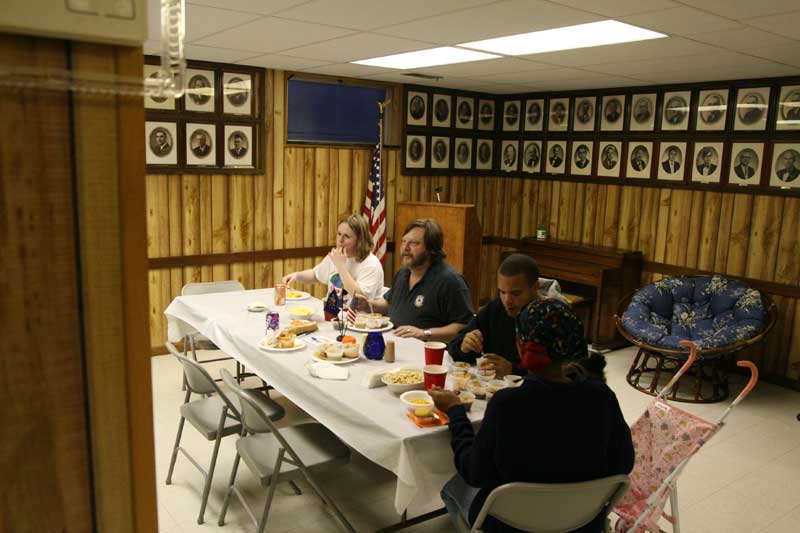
[175,451]
[210,475]
[273,482]
[673,502]
[231,481]
[295,488]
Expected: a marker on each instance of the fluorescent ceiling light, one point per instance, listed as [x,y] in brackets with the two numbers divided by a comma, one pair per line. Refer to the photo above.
[446,55]
[566,38]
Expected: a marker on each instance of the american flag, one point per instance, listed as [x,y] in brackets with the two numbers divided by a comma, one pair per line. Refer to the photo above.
[375,207]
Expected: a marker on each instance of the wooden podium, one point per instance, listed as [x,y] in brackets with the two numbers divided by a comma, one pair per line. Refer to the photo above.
[462,236]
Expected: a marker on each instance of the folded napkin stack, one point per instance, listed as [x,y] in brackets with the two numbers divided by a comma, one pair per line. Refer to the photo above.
[325,370]
[374,378]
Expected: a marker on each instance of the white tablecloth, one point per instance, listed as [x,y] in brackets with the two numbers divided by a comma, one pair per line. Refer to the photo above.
[372,421]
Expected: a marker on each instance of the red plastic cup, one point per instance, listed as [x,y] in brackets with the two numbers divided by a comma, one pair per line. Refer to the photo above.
[434,353]
[435,375]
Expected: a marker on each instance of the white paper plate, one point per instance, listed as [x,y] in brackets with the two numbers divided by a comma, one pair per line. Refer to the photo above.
[298,345]
[303,296]
[387,327]
[342,361]
[256,307]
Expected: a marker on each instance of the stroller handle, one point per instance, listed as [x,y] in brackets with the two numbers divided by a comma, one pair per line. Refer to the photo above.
[689,362]
[753,378]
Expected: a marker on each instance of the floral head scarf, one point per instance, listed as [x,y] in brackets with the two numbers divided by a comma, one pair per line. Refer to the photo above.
[547,331]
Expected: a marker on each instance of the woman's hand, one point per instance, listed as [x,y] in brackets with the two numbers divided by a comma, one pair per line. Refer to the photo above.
[409,332]
[444,399]
[338,258]
[288,279]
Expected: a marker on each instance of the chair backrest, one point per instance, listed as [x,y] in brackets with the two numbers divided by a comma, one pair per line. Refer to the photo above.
[552,507]
[210,287]
[198,380]
[253,417]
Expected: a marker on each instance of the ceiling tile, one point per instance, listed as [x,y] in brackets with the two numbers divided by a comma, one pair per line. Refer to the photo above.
[272,34]
[220,55]
[251,6]
[785,24]
[202,21]
[681,21]
[483,68]
[495,20]
[789,55]
[618,8]
[742,39]
[281,62]
[586,83]
[347,69]
[720,73]
[357,46]
[743,9]
[558,74]
[676,64]
[370,14]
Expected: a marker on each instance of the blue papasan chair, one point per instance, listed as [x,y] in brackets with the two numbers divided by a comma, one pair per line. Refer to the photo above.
[721,316]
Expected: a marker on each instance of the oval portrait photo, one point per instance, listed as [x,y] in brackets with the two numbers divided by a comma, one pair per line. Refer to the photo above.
[559,113]
[534,114]
[609,157]
[640,157]
[200,143]
[509,155]
[512,114]
[439,151]
[415,150]
[160,142]
[484,153]
[199,89]
[751,108]
[556,155]
[462,152]
[464,113]
[238,144]
[675,110]
[441,110]
[790,106]
[532,155]
[707,161]
[585,111]
[787,165]
[486,113]
[612,111]
[712,108]
[157,99]
[745,163]
[237,91]
[416,107]
[642,110]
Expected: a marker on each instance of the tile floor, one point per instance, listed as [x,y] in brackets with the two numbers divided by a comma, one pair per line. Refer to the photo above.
[746,479]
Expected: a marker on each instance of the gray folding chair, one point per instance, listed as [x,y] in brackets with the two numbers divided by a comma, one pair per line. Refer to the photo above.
[552,507]
[274,455]
[214,415]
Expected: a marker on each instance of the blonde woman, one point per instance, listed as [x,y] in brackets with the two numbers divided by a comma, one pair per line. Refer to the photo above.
[351,265]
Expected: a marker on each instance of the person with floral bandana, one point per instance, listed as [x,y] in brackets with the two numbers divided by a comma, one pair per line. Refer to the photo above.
[554,428]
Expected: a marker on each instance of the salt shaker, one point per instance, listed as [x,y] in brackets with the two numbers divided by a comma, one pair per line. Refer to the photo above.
[388,354]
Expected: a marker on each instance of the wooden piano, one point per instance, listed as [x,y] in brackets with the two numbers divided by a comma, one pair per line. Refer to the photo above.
[602,276]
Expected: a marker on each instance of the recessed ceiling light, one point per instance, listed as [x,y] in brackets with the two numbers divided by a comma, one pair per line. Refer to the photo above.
[566,38]
[446,55]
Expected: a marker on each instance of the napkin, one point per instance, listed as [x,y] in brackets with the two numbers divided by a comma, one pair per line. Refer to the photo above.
[325,370]
[373,378]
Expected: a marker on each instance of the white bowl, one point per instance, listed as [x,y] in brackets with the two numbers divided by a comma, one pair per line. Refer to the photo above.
[419,409]
[295,313]
[399,388]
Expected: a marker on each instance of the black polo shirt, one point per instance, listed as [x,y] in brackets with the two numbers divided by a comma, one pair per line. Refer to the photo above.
[440,298]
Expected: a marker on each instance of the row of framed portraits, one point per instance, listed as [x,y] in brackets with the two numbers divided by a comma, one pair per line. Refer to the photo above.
[199,145]
[745,164]
[713,109]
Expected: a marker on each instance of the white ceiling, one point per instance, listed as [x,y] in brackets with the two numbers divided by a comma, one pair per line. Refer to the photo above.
[708,39]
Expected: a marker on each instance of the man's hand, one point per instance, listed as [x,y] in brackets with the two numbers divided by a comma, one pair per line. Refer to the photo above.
[500,365]
[444,399]
[472,342]
[409,332]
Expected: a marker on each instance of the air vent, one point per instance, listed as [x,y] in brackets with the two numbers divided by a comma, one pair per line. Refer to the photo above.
[423,76]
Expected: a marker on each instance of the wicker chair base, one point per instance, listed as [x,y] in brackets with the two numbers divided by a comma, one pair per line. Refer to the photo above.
[705,382]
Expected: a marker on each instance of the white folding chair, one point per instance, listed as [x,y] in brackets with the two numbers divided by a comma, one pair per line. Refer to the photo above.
[214,415]
[552,507]
[274,455]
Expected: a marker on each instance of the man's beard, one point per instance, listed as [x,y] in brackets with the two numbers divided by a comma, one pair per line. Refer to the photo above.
[418,261]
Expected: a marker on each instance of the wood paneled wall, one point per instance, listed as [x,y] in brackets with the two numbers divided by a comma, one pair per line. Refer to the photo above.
[298,202]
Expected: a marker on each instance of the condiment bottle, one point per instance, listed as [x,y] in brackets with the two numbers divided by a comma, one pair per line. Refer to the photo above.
[388,354]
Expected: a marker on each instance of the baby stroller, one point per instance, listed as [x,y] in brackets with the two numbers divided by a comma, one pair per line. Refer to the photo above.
[665,437]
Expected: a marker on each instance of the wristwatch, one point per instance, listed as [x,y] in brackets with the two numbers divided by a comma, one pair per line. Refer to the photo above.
[427,334]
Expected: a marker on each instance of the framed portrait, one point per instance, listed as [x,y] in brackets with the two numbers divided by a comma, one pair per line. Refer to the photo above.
[712,110]
[671,163]
[556,157]
[200,90]
[640,160]
[463,153]
[610,155]
[237,91]
[440,152]
[643,112]
[415,151]
[612,113]
[751,109]
[485,114]
[707,164]
[156,102]
[581,162]
[534,115]
[417,110]
[558,114]
[746,162]
[509,160]
[201,144]
[788,108]
[442,117]
[785,169]
[675,111]
[511,113]
[161,140]
[583,118]
[465,113]
[484,153]
[532,157]
[238,145]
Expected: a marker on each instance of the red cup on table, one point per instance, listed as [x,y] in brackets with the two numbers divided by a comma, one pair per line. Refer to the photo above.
[434,375]
[434,353]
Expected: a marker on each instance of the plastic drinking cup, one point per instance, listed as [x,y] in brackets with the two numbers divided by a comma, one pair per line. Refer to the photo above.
[434,375]
[434,353]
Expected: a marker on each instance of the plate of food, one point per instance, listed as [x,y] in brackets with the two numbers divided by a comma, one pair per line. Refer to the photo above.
[336,353]
[282,342]
[403,380]
[387,327]
[293,295]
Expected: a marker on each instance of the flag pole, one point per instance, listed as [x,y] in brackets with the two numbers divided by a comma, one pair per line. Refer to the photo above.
[381,108]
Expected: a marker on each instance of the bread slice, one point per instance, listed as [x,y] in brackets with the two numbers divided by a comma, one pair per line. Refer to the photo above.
[302,326]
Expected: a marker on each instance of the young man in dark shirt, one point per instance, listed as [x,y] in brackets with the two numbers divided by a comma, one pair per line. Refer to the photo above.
[551,429]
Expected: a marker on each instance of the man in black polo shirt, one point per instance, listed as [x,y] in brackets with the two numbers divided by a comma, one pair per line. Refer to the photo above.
[492,330]
[429,299]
